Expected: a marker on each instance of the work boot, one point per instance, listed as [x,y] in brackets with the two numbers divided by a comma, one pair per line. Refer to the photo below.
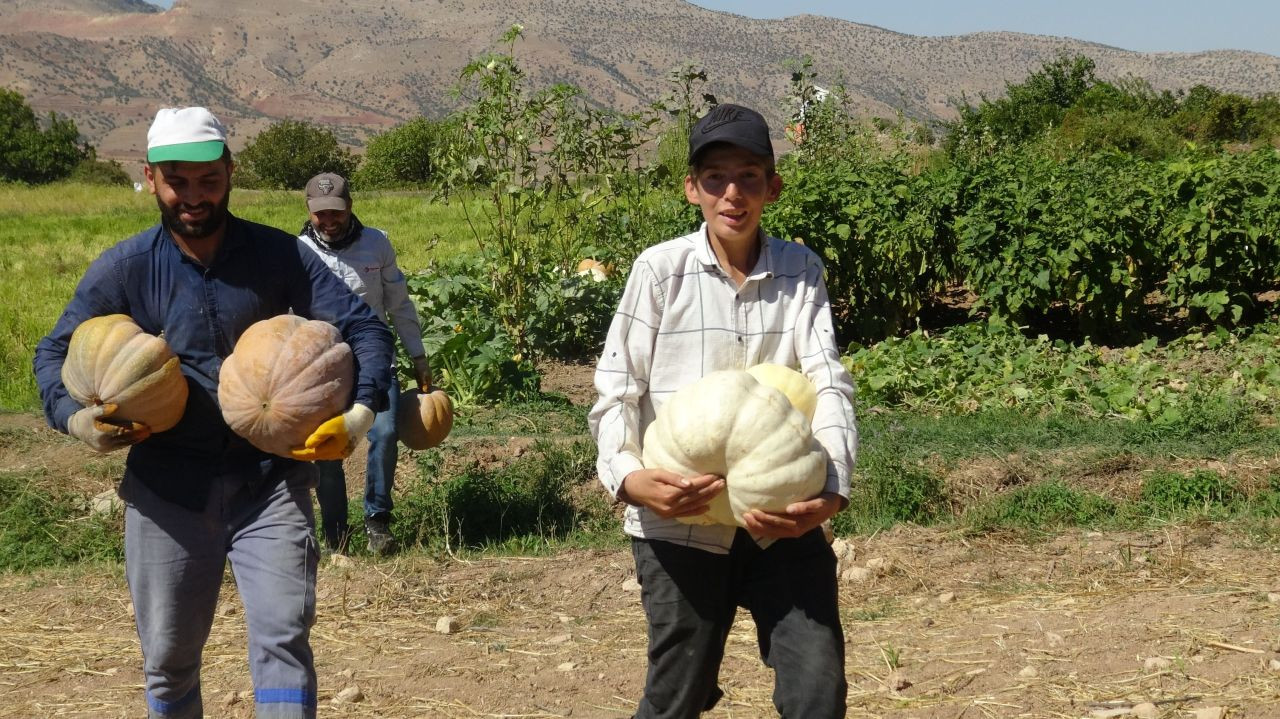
[377,529]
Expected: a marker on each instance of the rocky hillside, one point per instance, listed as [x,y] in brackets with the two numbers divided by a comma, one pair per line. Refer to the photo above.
[365,65]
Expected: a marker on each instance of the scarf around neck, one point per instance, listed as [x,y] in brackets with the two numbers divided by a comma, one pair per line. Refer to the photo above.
[335,244]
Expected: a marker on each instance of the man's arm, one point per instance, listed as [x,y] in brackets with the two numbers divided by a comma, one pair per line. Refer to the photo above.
[319,294]
[400,308]
[98,293]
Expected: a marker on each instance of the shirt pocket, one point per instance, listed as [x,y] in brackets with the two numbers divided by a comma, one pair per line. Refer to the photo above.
[369,281]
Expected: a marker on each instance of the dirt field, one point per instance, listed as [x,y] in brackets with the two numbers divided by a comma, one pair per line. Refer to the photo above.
[939,626]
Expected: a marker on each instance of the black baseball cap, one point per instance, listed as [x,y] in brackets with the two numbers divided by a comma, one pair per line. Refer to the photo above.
[734,124]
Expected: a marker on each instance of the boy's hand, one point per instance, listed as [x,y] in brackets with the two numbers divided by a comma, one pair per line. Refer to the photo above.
[798,518]
[669,494]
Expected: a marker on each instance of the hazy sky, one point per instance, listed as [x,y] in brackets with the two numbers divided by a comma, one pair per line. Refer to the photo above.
[1174,25]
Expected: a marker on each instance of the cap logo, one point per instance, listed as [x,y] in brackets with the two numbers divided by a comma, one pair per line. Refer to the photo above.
[325,185]
[721,115]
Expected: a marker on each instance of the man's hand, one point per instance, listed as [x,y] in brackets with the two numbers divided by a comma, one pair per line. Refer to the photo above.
[336,437]
[92,426]
[669,494]
[797,519]
[422,372]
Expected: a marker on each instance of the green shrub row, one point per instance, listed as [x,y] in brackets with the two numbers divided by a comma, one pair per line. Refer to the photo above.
[988,366]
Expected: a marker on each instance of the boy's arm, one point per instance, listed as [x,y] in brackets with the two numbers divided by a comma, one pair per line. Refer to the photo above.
[834,422]
[833,419]
[622,378]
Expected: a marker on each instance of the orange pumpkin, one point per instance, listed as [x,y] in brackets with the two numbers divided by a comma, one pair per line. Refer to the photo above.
[286,376]
[110,360]
[424,419]
[599,271]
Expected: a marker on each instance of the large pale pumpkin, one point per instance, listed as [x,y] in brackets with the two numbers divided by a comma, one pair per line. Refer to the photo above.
[729,424]
[423,419]
[285,377]
[110,360]
[798,389]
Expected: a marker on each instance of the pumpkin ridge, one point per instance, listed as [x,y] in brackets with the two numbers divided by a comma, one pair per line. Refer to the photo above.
[140,355]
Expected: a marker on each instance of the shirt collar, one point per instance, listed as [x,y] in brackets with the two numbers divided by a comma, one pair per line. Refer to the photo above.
[707,256]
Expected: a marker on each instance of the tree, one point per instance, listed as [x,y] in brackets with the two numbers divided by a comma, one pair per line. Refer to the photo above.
[1027,110]
[287,154]
[31,154]
[404,155]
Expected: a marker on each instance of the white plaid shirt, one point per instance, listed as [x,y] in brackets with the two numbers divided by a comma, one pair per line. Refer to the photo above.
[681,317]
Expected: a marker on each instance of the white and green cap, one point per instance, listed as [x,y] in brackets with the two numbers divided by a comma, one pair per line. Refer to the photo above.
[185,134]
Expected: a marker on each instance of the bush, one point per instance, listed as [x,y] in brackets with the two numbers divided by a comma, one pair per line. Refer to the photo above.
[530,498]
[882,231]
[1169,494]
[31,154]
[573,315]
[404,156]
[92,171]
[467,345]
[287,154]
[1041,506]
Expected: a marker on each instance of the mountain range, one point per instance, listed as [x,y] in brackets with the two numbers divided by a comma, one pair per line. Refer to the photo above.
[363,66]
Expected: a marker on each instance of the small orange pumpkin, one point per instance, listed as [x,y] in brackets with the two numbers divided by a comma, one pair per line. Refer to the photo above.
[286,376]
[598,270]
[424,419]
[110,360]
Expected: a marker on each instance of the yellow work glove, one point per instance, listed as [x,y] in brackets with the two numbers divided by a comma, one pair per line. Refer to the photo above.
[422,372]
[336,437]
[92,426]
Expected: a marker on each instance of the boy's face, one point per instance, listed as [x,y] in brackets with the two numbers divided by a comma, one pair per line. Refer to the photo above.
[732,186]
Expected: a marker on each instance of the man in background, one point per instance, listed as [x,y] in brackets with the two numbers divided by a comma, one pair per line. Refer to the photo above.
[363,258]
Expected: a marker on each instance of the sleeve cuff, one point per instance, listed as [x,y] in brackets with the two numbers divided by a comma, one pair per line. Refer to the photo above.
[62,413]
[620,466]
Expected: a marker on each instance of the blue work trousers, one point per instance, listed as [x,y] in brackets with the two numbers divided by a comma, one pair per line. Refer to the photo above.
[174,563]
[331,487]
[690,597]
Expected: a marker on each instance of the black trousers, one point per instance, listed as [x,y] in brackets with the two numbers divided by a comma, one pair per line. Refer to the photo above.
[690,598]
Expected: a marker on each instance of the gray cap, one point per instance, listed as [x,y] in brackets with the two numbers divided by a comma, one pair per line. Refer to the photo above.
[328,191]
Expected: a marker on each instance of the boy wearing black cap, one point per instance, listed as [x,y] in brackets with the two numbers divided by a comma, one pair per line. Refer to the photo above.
[727,297]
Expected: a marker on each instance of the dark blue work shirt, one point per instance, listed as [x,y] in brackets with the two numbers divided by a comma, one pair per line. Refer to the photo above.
[258,272]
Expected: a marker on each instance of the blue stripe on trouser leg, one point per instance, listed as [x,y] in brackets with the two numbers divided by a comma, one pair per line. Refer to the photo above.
[274,558]
[174,560]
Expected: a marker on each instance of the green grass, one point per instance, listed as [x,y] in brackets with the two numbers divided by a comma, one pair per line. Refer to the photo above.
[50,234]
[39,529]
[904,457]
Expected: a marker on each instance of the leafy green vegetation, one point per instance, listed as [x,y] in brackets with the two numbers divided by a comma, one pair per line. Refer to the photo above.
[38,529]
[32,151]
[985,366]
[290,152]
[545,496]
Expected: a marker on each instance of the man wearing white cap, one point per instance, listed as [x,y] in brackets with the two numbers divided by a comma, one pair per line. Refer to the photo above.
[197,496]
[365,260]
